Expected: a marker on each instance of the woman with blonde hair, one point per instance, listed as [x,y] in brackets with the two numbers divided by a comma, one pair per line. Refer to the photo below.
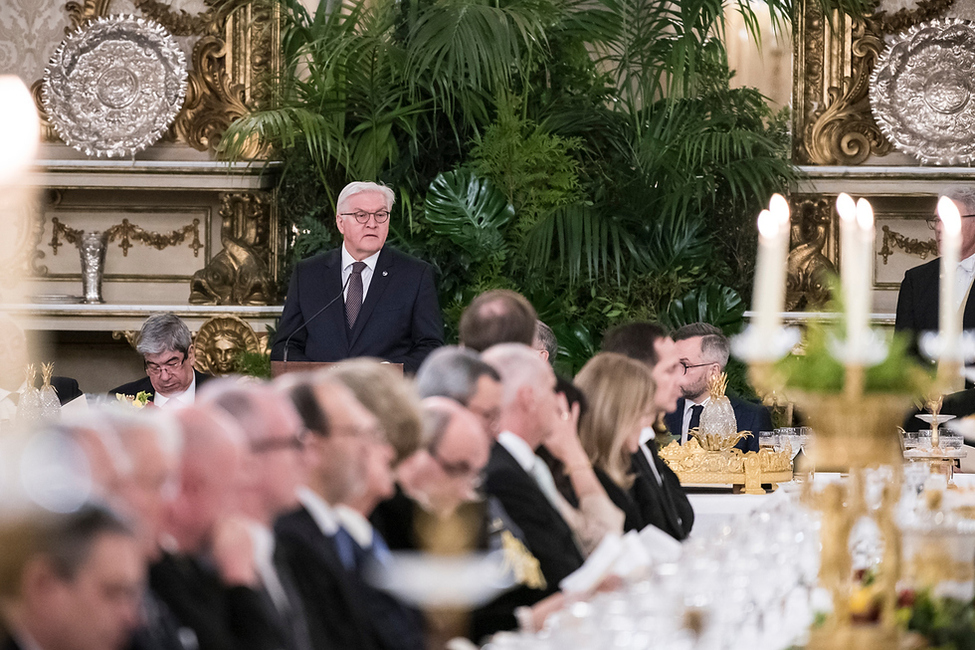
[619,392]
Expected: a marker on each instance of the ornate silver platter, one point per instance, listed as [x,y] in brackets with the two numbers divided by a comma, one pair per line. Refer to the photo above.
[115,85]
[921,92]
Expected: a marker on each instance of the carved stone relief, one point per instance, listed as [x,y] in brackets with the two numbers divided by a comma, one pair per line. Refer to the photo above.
[239,274]
[220,342]
[832,119]
[809,265]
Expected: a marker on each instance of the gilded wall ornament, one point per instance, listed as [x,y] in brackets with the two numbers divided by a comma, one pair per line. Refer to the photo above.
[808,266]
[219,343]
[179,23]
[127,232]
[832,119]
[238,274]
[80,13]
[920,248]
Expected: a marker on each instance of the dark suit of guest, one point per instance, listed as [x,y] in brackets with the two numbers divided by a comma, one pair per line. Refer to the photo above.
[547,535]
[917,301]
[66,388]
[222,617]
[749,416]
[400,319]
[396,518]
[623,500]
[662,502]
[333,598]
[133,388]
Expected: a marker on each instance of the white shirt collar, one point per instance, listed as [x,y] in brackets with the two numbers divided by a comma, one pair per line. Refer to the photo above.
[355,524]
[185,398]
[370,261]
[518,448]
[323,514]
[647,434]
[968,264]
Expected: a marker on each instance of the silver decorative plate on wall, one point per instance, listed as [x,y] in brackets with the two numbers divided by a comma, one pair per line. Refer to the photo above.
[115,85]
[921,92]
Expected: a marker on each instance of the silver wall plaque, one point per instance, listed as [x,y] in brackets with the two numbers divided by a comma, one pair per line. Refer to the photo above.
[921,92]
[115,85]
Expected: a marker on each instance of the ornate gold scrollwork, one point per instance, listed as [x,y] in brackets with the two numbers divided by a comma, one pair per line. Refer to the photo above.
[220,342]
[833,118]
[237,52]
[910,246]
[129,336]
[844,132]
[809,267]
[179,23]
[127,233]
[238,274]
[81,12]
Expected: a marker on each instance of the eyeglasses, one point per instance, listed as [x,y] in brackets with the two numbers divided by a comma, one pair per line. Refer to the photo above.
[169,366]
[295,441]
[459,470]
[370,434]
[934,221]
[687,366]
[363,217]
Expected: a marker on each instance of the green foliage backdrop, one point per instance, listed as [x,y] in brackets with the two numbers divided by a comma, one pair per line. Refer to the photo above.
[590,154]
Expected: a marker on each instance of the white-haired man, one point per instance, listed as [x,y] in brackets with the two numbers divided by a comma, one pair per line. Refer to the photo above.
[917,302]
[389,306]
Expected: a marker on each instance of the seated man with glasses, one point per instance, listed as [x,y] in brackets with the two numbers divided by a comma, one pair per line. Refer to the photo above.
[704,352]
[362,299]
[166,346]
[917,302]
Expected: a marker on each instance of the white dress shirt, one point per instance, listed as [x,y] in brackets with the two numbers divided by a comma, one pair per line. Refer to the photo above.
[963,280]
[319,509]
[686,420]
[178,399]
[647,437]
[347,261]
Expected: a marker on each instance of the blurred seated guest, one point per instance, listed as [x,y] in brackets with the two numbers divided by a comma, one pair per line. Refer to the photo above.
[437,510]
[93,434]
[72,581]
[207,576]
[14,358]
[619,395]
[150,444]
[167,351]
[319,550]
[704,351]
[657,490]
[274,470]
[497,316]
[461,375]
[516,476]
[545,342]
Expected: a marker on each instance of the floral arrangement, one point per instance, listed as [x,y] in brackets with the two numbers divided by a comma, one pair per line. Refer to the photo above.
[139,400]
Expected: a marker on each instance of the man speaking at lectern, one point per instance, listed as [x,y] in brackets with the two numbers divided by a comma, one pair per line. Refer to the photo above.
[363,298]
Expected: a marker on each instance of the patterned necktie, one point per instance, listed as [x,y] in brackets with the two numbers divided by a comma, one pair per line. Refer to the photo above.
[353,299]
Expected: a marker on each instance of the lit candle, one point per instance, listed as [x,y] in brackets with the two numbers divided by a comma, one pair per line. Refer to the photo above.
[770,268]
[19,130]
[847,209]
[856,286]
[949,316]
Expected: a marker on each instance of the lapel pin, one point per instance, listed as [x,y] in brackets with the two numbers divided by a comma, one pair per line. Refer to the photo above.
[385,273]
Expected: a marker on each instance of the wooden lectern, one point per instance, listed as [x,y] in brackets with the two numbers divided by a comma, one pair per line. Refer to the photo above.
[279,368]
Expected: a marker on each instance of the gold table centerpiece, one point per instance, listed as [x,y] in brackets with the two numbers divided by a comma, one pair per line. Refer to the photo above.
[710,456]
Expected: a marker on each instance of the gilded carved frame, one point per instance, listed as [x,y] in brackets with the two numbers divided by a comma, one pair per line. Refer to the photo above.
[834,56]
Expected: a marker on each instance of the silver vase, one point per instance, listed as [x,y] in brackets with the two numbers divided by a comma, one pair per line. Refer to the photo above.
[92,247]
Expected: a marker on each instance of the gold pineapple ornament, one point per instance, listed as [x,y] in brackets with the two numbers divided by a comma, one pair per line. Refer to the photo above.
[50,404]
[29,404]
[719,428]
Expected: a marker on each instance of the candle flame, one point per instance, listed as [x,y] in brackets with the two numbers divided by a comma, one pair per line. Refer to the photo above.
[864,214]
[846,207]
[779,207]
[950,217]
[768,224]
[20,129]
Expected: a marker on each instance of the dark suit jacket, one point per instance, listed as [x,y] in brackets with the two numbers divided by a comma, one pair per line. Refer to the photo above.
[749,416]
[623,500]
[223,618]
[663,505]
[133,388]
[332,597]
[917,301]
[547,536]
[400,320]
